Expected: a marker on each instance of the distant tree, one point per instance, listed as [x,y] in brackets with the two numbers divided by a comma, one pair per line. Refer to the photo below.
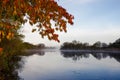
[115,44]
[104,45]
[97,44]
[85,45]
[117,41]
[75,42]
[41,46]
[75,45]
[28,45]
[65,45]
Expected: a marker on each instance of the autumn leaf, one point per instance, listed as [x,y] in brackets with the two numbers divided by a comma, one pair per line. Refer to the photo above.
[1,49]
[43,12]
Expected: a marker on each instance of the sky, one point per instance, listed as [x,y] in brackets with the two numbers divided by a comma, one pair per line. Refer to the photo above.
[95,20]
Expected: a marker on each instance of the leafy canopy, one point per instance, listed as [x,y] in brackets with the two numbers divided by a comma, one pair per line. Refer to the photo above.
[43,12]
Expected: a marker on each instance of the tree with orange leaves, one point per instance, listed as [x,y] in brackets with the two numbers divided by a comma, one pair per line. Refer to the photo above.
[42,12]
[1,49]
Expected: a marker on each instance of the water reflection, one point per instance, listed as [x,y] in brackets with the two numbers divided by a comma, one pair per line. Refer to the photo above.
[59,65]
[78,55]
[74,55]
[32,52]
[44,65]
[9,67]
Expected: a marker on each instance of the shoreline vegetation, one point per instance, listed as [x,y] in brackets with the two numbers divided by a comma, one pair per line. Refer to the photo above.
[92,51]
[23,48]
[76,46]
[11,55]
[97,46]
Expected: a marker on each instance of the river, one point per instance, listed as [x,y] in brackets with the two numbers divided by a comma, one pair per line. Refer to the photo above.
[57,65]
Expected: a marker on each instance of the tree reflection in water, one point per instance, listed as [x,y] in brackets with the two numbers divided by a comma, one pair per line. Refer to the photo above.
[78,55]
[9,67]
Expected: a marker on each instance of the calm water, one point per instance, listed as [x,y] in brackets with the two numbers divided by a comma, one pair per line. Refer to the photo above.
[56,65]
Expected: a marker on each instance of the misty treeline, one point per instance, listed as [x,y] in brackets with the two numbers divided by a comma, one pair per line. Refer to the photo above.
[97,45]
[28,45]
[17,46]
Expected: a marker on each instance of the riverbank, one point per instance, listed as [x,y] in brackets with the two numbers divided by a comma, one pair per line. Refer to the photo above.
[92,51]
[67,50]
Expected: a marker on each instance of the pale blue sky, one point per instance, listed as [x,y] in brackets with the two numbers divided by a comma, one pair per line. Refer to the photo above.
[95,20]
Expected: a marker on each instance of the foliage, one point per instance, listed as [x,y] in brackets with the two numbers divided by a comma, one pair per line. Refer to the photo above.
[13,46]
[43,12]
[115,44]
[97,45]
[75,45]
[28,45]
[10,58]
